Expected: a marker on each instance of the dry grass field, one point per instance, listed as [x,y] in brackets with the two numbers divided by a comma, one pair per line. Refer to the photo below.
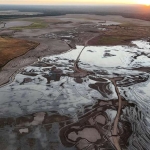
[11,48]
[121,35]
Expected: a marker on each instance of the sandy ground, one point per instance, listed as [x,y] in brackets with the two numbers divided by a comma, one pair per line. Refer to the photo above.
[34,32]
[6,32]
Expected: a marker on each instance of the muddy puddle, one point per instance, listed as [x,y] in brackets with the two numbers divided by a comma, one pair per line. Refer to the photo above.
[102,102]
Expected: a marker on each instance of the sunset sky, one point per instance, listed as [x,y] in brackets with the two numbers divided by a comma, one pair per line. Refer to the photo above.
[64,2]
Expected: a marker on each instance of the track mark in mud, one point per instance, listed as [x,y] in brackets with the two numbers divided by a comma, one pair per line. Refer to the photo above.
[115,135]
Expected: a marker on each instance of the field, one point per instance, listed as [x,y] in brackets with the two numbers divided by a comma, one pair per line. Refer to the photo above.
[11,48]
[121,34]
[34,25]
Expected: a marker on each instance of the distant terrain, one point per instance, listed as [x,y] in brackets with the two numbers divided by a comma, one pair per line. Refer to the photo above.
[128,11]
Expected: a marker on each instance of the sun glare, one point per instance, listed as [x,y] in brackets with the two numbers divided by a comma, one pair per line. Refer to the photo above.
[144,2]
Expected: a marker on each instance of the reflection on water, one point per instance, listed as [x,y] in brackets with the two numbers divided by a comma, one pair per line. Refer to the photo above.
[49,107]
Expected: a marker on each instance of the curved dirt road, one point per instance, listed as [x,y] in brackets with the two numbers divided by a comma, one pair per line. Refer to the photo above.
[82,73]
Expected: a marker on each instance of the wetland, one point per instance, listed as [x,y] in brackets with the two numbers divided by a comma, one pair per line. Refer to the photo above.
[76,89]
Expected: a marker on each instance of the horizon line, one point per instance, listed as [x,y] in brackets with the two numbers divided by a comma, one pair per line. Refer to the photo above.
[71,4]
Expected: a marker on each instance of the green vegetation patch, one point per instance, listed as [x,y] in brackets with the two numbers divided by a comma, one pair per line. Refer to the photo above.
[34,25]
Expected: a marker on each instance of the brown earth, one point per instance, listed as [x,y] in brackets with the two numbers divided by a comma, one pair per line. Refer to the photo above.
[120,35]
[11,48]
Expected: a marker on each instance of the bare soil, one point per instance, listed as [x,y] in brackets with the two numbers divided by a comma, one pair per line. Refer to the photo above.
[11,48]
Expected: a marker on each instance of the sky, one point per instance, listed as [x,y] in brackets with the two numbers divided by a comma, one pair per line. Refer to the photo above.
[68,2]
